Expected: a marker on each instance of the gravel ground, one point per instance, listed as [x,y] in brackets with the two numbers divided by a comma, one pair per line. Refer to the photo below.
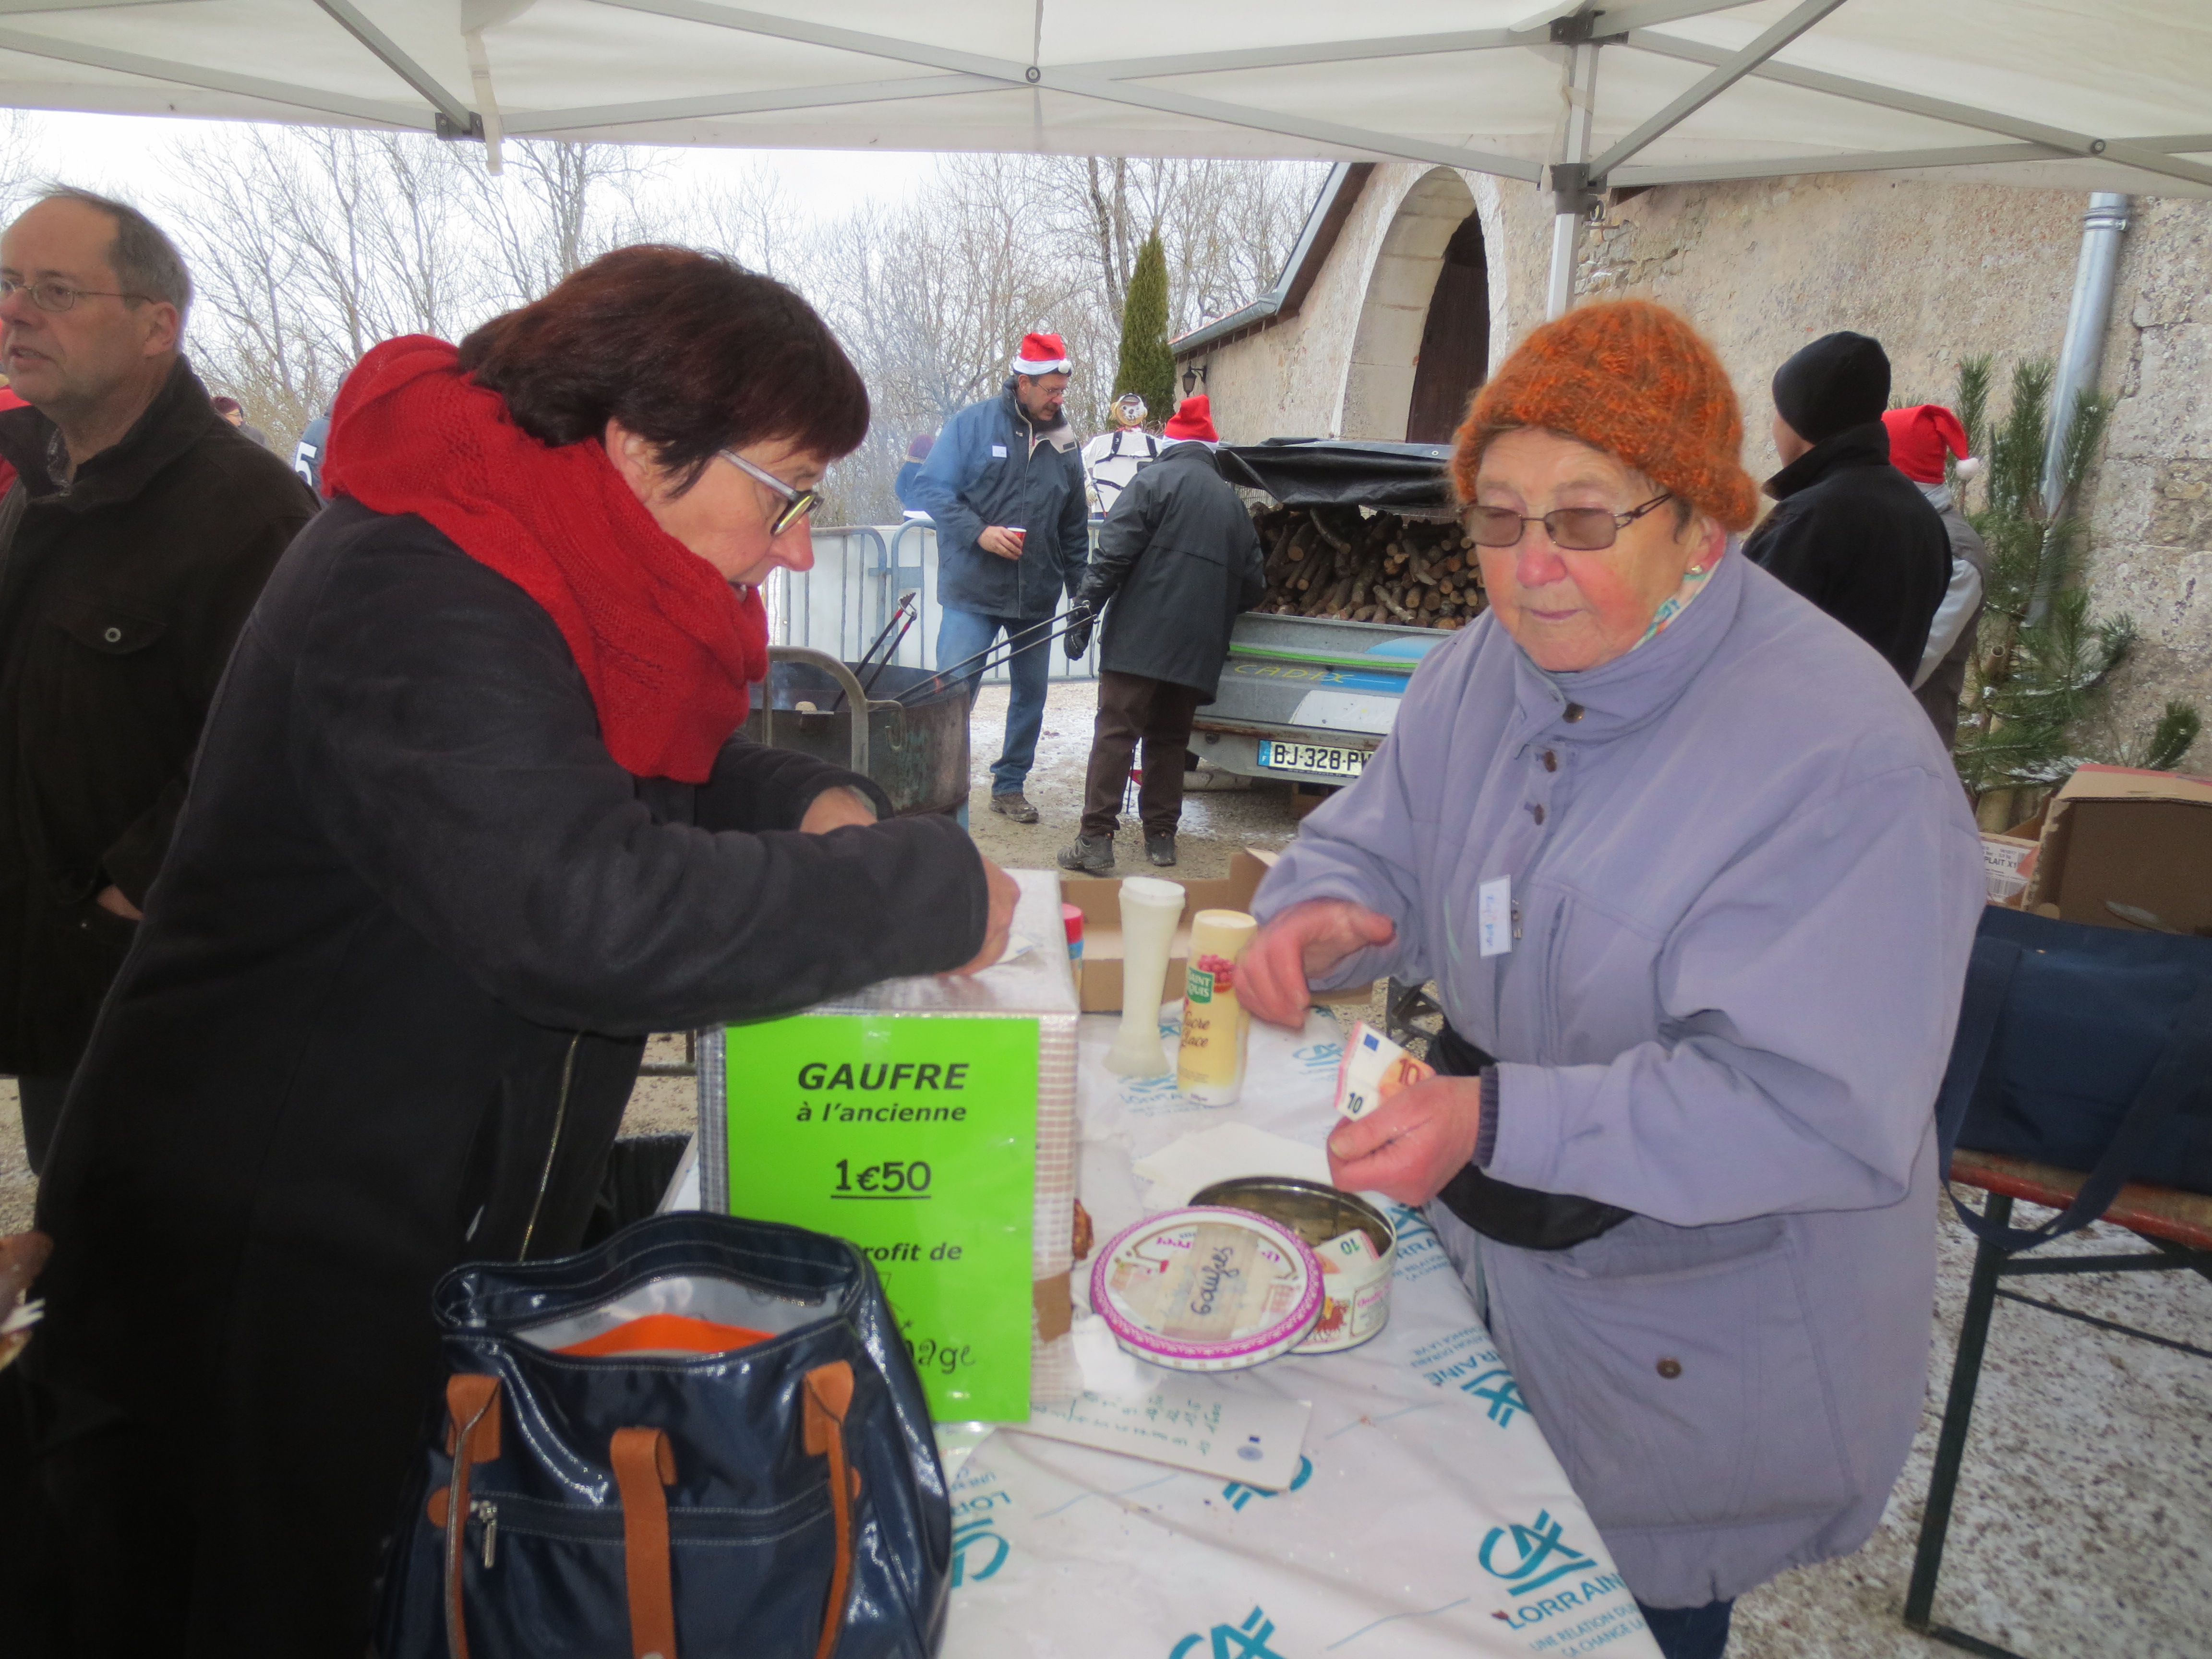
[2084,1522]
[1214,824]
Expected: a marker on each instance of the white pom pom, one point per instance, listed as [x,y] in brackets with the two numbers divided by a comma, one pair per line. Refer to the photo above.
[1969,466]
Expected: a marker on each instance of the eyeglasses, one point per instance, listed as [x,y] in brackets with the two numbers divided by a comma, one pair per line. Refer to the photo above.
[797,503]
[1577,529]
[51,295]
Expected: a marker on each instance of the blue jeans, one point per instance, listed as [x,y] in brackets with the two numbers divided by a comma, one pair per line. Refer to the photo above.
[1690,1632]
[961,635]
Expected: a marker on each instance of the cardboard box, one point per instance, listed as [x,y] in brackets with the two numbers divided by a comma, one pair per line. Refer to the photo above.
[1099,898]
[2007,862]
[2115,834]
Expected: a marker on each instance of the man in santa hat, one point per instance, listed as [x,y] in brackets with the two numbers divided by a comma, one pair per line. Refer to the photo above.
[1005,484]
[1177,559]
[1919,438]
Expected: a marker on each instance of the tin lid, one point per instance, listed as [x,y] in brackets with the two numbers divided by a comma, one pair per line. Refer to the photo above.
[1316,1212]
[1207,1289]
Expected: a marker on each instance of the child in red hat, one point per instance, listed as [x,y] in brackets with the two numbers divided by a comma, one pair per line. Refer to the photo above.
[1920,439]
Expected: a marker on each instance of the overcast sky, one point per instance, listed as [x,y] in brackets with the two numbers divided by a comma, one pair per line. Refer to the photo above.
[138,156]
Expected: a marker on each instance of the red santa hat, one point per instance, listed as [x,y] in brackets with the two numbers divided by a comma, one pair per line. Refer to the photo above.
[1194,418]
[1042,353]
[1919,436]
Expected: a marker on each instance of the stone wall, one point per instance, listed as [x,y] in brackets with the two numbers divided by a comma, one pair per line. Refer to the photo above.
[1936,272]
[2150,512]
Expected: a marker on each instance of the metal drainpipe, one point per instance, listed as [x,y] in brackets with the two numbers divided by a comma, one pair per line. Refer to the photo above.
[2104,229]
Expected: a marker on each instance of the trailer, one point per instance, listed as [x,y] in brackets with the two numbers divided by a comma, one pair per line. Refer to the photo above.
[1309,698]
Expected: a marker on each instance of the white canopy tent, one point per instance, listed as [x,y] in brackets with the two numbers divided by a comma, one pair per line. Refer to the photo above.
[2093,95]
[2112,95]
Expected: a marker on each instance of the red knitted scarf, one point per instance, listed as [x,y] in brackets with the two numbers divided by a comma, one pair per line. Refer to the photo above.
[668,647]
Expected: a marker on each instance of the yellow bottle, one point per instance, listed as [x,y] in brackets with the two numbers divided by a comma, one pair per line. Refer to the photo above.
[1210,1066]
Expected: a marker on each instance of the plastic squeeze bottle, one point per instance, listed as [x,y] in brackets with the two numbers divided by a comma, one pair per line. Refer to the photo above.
[1210,1066]
[1149,909]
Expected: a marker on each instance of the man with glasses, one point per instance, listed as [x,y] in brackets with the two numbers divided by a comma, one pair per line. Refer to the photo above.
[136,537]
[1005,484]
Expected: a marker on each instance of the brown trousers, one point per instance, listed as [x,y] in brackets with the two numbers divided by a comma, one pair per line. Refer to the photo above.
[1130,708]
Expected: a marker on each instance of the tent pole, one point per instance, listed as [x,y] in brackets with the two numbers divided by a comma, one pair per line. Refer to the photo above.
[1570,192]
[1567,237]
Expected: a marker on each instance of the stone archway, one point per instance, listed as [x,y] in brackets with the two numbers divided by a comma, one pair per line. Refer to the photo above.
[1455,355]
[1423,341]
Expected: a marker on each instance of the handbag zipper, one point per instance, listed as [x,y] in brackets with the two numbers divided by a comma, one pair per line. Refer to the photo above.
[553,1147]
[487,1515]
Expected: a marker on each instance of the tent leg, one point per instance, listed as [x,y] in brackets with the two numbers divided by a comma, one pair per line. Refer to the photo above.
[1571,185]
[1566,239]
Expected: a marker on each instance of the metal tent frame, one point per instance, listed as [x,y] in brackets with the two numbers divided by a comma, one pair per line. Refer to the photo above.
[343,64]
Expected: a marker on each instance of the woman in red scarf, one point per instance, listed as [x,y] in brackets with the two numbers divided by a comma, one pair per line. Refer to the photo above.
[469,819]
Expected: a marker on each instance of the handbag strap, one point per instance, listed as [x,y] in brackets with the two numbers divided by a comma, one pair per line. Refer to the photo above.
[471,1437]
[829,1395]
[2183,1072]
[644,1464]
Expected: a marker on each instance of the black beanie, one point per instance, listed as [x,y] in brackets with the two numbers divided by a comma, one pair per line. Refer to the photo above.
[1839,382]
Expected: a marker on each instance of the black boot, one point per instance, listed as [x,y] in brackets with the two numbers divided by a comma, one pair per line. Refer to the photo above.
[1092,855]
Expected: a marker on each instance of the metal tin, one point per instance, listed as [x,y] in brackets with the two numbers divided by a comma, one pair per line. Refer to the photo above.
[1355,1301]
[1207,1288]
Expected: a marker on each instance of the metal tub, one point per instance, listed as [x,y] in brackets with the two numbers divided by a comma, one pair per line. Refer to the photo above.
[917,752]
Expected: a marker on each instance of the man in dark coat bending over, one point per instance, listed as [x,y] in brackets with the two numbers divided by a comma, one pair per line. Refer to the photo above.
[1178,558]
[1852,534]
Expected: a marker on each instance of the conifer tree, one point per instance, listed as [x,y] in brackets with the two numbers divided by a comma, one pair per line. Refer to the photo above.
[1147,365]
[2042,666]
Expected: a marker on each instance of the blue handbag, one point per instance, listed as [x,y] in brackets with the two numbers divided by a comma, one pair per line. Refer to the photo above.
[2086,1048]
[604,1483]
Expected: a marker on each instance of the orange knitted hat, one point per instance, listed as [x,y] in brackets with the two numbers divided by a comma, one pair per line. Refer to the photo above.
[1634,379]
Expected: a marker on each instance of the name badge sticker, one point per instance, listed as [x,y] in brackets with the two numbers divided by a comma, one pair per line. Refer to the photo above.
[998,452]
[1494,916]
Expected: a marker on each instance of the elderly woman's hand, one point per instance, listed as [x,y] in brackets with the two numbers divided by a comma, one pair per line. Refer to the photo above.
[1299,945]
[1408,1147]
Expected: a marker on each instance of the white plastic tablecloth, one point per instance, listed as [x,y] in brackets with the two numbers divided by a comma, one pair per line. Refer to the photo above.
[1428,1516]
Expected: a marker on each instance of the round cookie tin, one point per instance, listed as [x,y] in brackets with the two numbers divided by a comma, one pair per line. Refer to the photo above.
[1207,1288]
[1355,1280]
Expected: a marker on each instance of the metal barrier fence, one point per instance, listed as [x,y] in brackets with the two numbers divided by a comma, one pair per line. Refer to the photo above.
[860,573]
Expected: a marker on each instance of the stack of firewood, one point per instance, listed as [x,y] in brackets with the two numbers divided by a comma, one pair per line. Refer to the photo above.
[1339,562]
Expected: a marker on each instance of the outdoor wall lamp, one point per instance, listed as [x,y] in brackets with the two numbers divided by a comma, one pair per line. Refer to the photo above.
[1193,378]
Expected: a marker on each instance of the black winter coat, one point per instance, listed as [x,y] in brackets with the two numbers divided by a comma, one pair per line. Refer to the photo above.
[383,1016]
[1178,557]
[119,599]
[1856,536]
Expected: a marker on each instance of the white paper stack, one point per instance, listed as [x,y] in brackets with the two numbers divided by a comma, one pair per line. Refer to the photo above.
[1034,984]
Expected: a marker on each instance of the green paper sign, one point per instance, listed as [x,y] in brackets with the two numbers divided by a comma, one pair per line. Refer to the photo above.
[915,1138]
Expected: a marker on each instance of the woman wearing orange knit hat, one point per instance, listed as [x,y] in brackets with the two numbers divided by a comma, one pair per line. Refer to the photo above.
[1696,885]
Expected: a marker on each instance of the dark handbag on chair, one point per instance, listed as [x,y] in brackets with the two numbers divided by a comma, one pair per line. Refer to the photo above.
[702,1437]
[2086,1048]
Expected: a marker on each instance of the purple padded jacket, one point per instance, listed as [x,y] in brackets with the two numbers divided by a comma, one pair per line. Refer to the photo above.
[1744,882]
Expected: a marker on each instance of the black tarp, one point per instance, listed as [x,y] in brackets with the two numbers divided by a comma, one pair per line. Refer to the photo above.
[1328,471]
